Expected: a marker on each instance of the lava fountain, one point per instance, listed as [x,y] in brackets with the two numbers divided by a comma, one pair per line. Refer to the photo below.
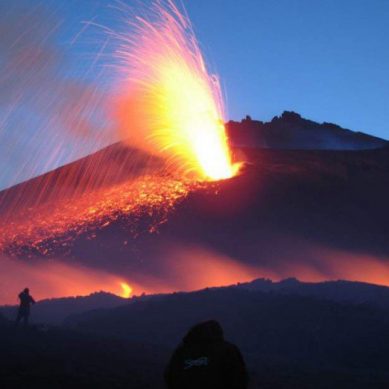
[170,105]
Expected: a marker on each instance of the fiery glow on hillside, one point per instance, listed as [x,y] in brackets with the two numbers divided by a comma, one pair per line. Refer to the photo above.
[126,289]
[170,105]
[52,227]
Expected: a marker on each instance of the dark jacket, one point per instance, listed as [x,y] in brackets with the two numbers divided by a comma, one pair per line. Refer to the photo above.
[205,360]
[25,301]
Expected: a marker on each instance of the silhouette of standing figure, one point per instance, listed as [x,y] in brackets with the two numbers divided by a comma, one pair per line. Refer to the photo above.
[24,308]
[205,360]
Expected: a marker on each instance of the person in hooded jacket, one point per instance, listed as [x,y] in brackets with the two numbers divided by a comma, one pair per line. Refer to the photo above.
[205,360]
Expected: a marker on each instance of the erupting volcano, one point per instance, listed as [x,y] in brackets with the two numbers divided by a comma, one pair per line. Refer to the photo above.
[142,217]
[166,105]
[163,206]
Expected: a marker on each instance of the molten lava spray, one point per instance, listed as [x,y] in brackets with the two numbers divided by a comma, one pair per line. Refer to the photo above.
[169,105]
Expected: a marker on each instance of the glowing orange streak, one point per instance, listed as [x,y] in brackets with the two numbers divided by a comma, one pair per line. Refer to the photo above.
[127,290]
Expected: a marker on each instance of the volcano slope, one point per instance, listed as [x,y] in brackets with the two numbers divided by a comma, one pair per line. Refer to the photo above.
[288,211]
[312,214]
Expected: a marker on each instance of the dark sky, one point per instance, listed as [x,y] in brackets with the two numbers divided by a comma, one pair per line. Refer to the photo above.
[326,59]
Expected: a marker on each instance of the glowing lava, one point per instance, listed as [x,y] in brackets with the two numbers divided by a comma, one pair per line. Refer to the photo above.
[127,290]
[170,105]
[52,227]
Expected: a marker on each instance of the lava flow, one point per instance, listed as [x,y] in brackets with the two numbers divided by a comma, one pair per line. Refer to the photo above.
[52,227]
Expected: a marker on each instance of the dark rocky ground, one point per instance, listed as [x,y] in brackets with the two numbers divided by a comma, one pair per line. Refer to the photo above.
[290,338]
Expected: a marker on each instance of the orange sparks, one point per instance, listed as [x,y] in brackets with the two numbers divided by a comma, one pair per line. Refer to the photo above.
[170,105]
[53,226]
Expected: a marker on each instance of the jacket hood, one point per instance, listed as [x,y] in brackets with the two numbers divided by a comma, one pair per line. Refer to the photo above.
[206,332]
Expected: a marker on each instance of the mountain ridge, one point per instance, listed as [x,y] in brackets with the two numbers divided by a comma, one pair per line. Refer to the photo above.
[291,131]
[56,310]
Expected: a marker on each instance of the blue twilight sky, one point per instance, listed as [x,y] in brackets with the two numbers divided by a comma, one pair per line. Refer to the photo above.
[326,59]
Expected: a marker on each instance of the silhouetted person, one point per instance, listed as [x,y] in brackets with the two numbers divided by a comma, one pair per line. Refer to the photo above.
[205,360]
[24,308]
